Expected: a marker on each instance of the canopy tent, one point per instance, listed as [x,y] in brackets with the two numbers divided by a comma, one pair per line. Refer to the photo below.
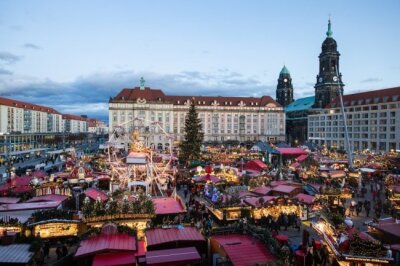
[301,158]
[291,151]
[304,198]
[111,259]
[176,256]
[256,165]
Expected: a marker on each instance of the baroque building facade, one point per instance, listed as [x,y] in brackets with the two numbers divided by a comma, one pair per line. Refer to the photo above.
[224,119]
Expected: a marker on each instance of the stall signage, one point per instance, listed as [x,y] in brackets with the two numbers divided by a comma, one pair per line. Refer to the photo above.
[373,260]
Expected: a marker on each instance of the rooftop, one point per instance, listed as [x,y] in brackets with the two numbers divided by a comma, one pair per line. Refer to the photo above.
[156,95]
[244,250]
[369,97]
[300,104]
[25,105]
[159,236]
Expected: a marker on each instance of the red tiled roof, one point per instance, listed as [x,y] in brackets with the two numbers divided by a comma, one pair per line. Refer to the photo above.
[93,193]
[244,250]
[176,256]
[369,97]
[160,236]
[25,105]
[168,206]
[156,95]
[106,243]
[112,259]
[73,117]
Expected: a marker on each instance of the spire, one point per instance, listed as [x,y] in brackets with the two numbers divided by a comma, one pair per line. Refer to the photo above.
[285,70]
[142,81]
[329,32]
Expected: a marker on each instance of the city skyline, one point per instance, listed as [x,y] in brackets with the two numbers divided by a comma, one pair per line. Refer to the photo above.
[73,56]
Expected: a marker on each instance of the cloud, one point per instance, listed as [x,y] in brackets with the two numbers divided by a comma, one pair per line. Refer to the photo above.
[90,94]
[9,58]
[32,46]
[371,80]
[5,72]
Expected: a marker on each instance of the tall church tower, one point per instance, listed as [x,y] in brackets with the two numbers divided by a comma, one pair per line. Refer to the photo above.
[329,79]
[284,89]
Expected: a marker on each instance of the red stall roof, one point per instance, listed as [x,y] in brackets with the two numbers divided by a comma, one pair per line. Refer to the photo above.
[255,201]
[54,197]
[176,256]
[168,206]
[93,193]
[160,236]
[9,200]
[291,151]
[29,206]
[301,158]
[262,190]
[112,259]
[305,198]
[278,182]
[256,165]
[284,188]
[244,250]
[106,243]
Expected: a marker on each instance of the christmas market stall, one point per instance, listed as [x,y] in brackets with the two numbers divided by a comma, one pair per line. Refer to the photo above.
[348,245]
[178,237]
[236,249]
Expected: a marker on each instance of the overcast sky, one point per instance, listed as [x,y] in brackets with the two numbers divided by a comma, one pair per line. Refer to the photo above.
[74,55]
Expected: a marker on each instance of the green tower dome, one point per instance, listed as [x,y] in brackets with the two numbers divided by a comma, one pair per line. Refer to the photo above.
[285,70]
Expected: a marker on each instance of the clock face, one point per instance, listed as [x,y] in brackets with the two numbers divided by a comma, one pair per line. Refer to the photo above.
[285,80]
[320,79]
[335,78]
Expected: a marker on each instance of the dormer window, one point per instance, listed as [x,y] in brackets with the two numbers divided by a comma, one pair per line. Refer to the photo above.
[204,102]
[178,102]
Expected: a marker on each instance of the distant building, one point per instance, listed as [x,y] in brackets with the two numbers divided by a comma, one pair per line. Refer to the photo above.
[97,126]
[23,117]
[32,128]
[224,119]
[74,124]
[373,121]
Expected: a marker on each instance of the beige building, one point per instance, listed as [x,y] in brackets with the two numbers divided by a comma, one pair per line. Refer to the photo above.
[22,117]
[373,122]
[224,119]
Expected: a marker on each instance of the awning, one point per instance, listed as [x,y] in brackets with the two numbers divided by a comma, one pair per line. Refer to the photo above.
[177,256]
[301,158]
[305,198]
[111,259]
[291,151]
[94,193]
